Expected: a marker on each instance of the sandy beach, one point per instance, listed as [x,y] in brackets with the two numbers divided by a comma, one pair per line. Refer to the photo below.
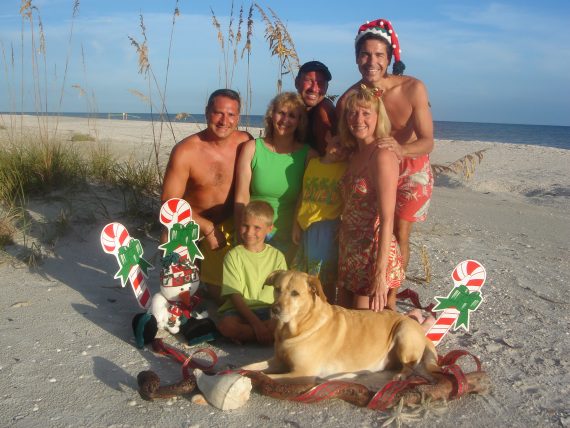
[68,356]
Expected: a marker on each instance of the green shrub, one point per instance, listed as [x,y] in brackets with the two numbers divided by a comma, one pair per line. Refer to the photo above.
[82,137]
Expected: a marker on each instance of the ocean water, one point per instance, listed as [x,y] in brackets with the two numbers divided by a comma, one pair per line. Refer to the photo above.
[537,135]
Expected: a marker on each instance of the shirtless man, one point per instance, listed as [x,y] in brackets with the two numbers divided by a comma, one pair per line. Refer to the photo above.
[201,171]
[312,83]
[408,108]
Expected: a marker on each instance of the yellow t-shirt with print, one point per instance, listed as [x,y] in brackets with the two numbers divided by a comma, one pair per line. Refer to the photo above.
[320,198]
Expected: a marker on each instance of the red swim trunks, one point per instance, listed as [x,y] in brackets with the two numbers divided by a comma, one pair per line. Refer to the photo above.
[415,185]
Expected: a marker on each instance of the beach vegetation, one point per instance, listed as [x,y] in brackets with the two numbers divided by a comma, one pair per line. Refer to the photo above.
[89,99]
[8,220]
[426,265]
[153,86]
[247,49]
[102,164]
[425,276]
[230,45]
[136,179]
[29,169]
[82,137]
[31,255]
[280,45]
[463,167]
[56,227]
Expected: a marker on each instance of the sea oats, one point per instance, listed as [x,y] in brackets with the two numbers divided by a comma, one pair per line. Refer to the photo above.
[280,45]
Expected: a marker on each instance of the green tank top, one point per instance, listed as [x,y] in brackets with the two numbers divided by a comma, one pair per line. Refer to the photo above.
[277,178]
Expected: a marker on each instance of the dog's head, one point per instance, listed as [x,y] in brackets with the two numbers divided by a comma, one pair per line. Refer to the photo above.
[295,293]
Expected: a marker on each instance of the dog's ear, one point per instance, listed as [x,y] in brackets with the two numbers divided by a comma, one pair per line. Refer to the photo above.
[271,278]
[316,287]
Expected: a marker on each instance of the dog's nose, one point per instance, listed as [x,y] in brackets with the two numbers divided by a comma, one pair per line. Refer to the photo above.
[276,310]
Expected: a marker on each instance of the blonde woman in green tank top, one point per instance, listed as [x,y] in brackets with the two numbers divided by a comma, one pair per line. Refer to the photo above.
[271,168]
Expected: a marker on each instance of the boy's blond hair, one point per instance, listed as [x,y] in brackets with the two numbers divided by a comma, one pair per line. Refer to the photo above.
[259,209]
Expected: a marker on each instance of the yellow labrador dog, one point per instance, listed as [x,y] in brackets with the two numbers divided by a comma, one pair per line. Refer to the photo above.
[314,339]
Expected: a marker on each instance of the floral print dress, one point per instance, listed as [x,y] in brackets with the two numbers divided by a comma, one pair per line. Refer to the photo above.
[360,237]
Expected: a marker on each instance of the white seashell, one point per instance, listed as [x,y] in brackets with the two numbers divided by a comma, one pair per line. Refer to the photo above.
[225,392]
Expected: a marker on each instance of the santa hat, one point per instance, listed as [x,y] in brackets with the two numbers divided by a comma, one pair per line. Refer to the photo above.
[383,28]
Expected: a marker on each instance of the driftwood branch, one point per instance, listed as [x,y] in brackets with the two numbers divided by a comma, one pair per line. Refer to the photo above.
[150,389]
[354,393]
[360,395]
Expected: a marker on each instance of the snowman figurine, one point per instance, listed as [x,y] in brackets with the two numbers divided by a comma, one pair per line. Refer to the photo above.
[174,308]
[177,300]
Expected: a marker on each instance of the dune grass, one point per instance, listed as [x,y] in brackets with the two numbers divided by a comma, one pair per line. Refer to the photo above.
[31,168]
[8,219]
[82,137]
[34,169]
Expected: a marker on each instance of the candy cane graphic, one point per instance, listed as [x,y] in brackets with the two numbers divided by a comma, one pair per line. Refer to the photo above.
[468,278]
[115,239]
[176,214]
[175,211]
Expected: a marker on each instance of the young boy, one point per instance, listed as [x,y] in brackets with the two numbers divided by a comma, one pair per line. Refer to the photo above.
[245,316]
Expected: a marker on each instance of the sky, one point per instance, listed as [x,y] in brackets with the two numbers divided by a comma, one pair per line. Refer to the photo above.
[481,61]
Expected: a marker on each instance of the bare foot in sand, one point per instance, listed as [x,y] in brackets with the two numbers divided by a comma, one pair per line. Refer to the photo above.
[428,322]
[425,322]
[416,314]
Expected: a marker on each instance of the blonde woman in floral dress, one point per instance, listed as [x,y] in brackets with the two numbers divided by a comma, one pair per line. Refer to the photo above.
[370,264]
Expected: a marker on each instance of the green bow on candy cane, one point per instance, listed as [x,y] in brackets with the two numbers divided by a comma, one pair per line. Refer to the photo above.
[461,299]
[183,236]
[130,255]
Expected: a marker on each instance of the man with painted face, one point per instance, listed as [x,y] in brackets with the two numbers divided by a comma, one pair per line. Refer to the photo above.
[312,83]
[408,108]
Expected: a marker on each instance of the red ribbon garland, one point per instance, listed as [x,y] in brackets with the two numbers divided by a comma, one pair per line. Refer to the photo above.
[321,392]
[413,296]
[188,363]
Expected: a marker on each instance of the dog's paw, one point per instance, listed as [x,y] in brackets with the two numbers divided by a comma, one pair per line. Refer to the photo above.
[399,376]
[258,379]
[405,373]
